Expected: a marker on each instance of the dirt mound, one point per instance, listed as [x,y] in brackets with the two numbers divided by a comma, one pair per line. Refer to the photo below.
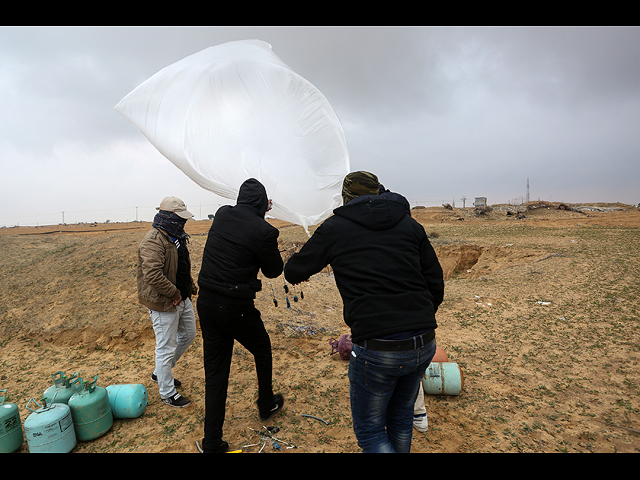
[558,213]
[456,259]
[473,261]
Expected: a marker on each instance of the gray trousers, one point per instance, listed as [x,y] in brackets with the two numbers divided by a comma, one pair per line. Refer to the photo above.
[174,332]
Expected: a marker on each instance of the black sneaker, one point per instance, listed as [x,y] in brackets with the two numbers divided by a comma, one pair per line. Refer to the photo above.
[276,405]
[176,383]
[222,447]
[177,400]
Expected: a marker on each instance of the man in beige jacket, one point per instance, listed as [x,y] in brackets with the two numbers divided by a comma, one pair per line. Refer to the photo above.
[165,287]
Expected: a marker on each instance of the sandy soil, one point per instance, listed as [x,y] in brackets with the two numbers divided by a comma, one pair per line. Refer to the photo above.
[541,315]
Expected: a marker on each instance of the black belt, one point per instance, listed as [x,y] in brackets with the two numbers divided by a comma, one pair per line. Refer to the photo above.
[412,343]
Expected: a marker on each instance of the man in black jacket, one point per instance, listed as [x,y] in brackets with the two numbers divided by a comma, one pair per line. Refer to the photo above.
[240,243]
[391,285]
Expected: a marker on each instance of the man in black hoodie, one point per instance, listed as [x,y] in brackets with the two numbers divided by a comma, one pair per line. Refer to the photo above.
[391,285]
[240,243]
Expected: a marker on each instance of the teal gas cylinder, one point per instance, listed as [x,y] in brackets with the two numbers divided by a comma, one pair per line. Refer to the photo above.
[62,388]
[11,438]
[127,401]
[49,429]
[443,378]
[90,410]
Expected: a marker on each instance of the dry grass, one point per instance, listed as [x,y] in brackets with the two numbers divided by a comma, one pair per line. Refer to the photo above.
[541,313]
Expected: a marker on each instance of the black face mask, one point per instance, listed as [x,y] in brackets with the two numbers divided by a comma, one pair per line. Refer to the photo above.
[172,224]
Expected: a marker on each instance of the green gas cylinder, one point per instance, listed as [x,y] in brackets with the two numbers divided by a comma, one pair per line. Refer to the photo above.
[62,388]
[128,401]
[443,378]
[11,438]
[91,410]
[49,429]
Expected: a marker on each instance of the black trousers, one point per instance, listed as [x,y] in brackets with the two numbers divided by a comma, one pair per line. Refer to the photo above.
[221,324]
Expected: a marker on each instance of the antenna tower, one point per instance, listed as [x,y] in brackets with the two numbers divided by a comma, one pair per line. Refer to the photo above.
[527,201]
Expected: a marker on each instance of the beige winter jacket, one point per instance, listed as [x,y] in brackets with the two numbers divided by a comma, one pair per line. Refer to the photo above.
[157,270]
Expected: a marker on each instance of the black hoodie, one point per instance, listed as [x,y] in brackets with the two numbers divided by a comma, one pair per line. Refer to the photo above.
[385,268]
[239,244]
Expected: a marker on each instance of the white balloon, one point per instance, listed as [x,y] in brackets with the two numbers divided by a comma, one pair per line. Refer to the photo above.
[236,111]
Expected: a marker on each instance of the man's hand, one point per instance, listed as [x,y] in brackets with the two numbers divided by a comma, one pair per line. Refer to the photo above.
[177,302]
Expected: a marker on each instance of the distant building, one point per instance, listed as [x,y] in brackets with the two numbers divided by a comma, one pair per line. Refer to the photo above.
[480,202]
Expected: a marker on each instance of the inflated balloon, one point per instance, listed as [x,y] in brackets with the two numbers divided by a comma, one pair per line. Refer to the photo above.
[343,346]
[236,111]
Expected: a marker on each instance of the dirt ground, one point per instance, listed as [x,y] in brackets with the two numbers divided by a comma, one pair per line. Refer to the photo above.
[541,313]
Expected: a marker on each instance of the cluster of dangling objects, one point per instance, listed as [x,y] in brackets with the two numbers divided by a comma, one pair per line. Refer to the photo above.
[286,291]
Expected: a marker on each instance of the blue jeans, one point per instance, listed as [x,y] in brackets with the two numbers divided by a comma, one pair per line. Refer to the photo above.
[383,387]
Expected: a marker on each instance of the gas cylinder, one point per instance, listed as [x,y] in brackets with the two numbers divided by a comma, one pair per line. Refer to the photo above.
[11,438]
[49,429]
[443,378]
[62,388]
[127,401]
[90,410]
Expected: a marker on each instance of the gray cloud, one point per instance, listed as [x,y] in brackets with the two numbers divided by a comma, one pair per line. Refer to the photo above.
[437,113]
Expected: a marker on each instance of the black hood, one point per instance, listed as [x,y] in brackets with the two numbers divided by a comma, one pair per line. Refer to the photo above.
[253,194]
[376,212]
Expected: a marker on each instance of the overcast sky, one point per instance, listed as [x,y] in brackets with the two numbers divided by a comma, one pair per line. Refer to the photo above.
[437,113]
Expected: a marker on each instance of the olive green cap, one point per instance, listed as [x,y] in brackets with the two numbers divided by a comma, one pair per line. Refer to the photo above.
[359,183]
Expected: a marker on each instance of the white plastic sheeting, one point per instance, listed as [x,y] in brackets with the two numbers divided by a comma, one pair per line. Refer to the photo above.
[236,111]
